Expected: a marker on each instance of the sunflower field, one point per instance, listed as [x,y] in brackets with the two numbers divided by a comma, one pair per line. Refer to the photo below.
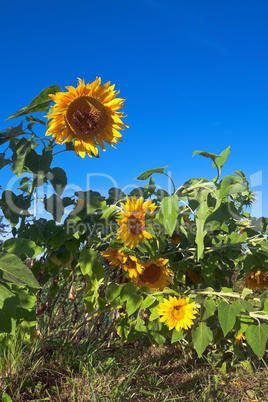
[188,267]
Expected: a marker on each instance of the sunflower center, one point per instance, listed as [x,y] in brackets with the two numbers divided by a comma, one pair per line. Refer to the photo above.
[85,117]
[130,264]
[135,224]
[151,274]
[178,312]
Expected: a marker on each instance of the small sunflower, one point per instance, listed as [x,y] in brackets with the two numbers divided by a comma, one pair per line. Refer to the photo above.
[239,339]
[176,239]
[89,115]
[132,222]
[133,266]
[115,257]
[177,313]
[154,275]
[256,279]
[128,262]
[193,275]
[245,224]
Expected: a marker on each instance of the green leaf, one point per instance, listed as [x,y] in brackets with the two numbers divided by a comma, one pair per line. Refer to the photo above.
[86,261]
[4,162]
[169,213]
[23,147]
[177,335]
[220,161]
[39,104]
[9,208]
[202,337]
[206,154]
[108,212]
[5,293]
[148,173]
[228,314]
[39,164]
[154,314]
[93,199]
[113,291]
[6,398]
[231,185]
[158,332]
[20,246]
[257,336]
[33,120]
[98,271]
[58,179]
[148,302]
[10,133]
[15,272]
[133,302]
[54,206]
[209,306]
[199,237]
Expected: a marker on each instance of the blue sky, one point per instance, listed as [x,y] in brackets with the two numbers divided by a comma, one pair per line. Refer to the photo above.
[194,76]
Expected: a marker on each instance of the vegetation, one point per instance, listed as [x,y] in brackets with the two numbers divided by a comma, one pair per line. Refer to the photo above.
[130,296]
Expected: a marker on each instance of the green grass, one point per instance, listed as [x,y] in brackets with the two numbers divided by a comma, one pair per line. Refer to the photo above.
[138,372]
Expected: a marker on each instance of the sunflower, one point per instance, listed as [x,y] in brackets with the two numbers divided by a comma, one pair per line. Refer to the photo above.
[89,115]
[128,262]
[154,275]
[239,339]
[116,257]
[133,266]
[132,221]
[256,279]
[245,224]
[177,313]
[193,275]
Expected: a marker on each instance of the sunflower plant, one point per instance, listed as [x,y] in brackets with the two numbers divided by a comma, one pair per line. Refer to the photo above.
[181,267]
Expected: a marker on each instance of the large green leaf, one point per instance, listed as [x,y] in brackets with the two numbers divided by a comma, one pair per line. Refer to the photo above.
[209,307]
[10,133]
[5,293]
[227,315]
[133,302]
[54,206]
[58,179]
[13,271]
[220,161]
[86,260]
[39,104]
[257,336]
[39,164]
[169,213]
[89,264]
[148,173]
[8,202]
[113,291]
[93,200]
[207,155]
[177,335]
[202,337]
[23,147]
[20,246]
[231,185]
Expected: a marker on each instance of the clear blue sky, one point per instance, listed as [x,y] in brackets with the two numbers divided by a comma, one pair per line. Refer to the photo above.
[194,75]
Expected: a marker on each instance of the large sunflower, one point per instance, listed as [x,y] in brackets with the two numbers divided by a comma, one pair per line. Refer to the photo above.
[132,221]
[177,313]
[89,115]
[256,279]
[154,275]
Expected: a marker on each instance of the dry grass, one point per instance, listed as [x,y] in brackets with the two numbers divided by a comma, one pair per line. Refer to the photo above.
[136,372]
